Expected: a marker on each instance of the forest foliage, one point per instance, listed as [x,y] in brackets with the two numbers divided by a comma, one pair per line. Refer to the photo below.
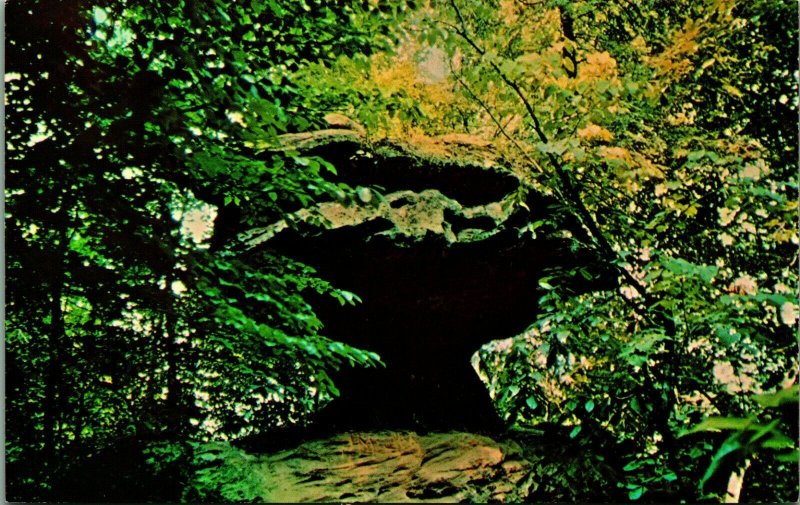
[666,129]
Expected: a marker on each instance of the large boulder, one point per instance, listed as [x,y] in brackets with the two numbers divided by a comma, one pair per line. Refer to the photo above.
[435,246]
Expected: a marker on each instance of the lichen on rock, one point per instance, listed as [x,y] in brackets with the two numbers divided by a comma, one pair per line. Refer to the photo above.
[411,214]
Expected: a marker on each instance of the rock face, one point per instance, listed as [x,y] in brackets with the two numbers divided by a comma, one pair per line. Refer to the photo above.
[437,258]
[393,467]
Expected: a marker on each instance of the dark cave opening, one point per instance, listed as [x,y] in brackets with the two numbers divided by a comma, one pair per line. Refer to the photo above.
[427,307]
[428,303]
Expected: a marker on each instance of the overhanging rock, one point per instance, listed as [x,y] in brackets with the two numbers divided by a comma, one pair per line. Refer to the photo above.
[437,257]
[407,214]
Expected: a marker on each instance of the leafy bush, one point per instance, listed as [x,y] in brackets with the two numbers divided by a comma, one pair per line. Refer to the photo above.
[136,139]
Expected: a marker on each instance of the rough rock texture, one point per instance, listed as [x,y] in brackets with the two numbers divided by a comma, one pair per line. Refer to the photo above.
[464,148]
[395,467]
[408,214]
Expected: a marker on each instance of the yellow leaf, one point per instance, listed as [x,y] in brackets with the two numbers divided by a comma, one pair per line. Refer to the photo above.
[732,90]
[595,132]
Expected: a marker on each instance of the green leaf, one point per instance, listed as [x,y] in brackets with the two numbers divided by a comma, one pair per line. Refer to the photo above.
[636,493]
[633,465]
[545,284]
[793,457]
[728,335]
[695,155]
[680,266]
[721,423]
[778,440]
[589,406]
[771,400]
[348,297]
[732,444]
[99,15]
[763,430]
[670,477]
[553,147]
[532,403]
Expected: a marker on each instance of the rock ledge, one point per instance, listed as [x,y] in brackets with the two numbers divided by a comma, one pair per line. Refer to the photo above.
[395,467]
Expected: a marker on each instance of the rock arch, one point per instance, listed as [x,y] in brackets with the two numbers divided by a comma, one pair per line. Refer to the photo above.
[441,266]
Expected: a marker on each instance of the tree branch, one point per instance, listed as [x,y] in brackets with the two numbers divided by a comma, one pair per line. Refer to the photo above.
[571,191]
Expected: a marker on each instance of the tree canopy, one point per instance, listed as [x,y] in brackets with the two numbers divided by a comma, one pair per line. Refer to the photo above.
[142,135]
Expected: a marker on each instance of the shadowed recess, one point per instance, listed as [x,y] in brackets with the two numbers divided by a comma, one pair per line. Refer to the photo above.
[426,308]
